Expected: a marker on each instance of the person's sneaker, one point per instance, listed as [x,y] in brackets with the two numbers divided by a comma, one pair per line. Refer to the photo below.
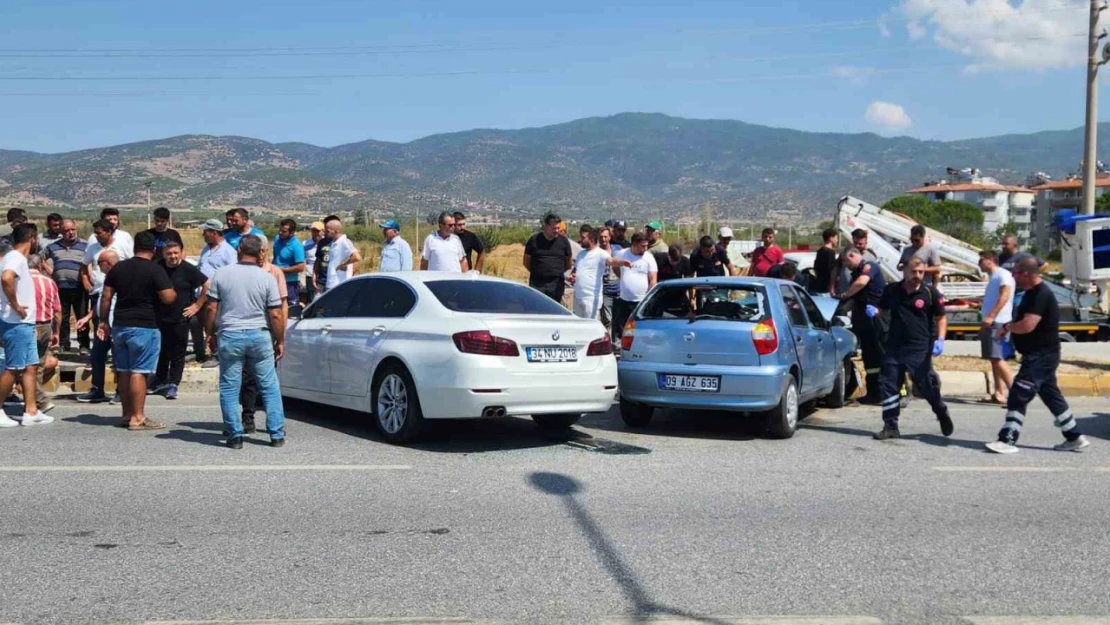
[116,400]
[1077,445]
[156,388]
[7,422]
[277,442]
[887,433]
[211,363]
[946,426]
[37,419]
[171,391]
[94,396]
[235,442]
[1001,447]
[84,351]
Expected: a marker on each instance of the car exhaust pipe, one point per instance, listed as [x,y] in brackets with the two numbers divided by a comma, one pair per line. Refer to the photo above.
[493,411]
[499,412]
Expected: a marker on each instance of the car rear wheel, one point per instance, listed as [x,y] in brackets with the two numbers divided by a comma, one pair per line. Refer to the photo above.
[635,415]
[397,411]
[554,422]
[782,421]
[838,397]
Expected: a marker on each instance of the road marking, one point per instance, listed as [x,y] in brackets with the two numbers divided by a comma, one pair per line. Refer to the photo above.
[202,468]
[1025,469]
[416,620]
[1037,620]
[748,620]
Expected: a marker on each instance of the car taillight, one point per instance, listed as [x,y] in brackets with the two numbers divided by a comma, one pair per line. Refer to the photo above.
[601,347]
[628,335]
[765,338]
[483,343]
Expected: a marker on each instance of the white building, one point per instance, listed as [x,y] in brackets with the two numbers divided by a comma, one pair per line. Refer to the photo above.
[1058,195]
[1001,204]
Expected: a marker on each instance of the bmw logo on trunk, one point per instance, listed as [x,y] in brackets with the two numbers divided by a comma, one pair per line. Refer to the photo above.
[555,335]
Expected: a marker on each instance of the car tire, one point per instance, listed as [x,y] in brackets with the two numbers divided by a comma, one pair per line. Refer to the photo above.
[635,415]
[782,421]
[555,422]
[394,388]
[838,397]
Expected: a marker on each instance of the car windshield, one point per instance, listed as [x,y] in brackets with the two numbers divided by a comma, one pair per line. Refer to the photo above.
[488,296]
[731,303]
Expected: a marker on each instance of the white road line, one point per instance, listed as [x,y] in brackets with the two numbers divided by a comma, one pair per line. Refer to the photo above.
[1037,620]
[1023,469]
[748,620]
[202,468]
[416,620]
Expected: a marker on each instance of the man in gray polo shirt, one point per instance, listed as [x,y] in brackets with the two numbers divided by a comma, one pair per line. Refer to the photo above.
[927,253]
[244,313]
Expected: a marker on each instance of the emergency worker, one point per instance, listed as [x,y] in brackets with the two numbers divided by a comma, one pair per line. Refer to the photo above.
[866,288]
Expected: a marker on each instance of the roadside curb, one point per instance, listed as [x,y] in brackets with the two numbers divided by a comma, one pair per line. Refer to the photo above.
[194,381]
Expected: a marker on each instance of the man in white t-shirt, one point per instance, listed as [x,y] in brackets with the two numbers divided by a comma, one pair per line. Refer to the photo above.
[344,256]
[111,215]
[588,274]
[638,273]
[103,238]
[998,310]
[17,326]
[443,250]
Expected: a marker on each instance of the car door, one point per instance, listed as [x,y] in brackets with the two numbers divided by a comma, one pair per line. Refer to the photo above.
[805,340]
[826,360]
[307,340]
[379,304]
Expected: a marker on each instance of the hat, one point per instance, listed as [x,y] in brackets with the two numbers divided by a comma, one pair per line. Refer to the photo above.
[655,225]
[316,225]
[609,223]
[213,224]
[390,225]
[725,232]
[619,224]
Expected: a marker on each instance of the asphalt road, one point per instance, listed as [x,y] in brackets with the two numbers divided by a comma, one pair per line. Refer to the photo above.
[699,519]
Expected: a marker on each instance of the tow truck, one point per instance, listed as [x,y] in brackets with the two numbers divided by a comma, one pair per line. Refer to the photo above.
[1085,245]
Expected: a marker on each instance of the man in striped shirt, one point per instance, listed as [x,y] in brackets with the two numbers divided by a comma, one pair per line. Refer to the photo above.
[48,322]
[65,257]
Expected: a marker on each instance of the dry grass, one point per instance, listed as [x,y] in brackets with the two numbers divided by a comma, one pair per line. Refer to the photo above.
[1069,365]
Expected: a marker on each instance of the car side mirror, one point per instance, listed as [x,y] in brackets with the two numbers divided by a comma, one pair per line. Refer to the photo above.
[841,321]
[295,311]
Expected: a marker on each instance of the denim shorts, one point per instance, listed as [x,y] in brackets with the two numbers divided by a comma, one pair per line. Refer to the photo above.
[21,348]
[135,350]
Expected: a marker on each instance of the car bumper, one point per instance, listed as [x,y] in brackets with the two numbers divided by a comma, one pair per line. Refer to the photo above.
[742,389]
[467,392]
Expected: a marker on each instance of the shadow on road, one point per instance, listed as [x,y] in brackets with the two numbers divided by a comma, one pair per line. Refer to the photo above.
[717,425]
[644,607]
[93,419]
[1096,425]
[929,439]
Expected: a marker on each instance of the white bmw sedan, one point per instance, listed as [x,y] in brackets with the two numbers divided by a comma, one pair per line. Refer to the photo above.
[414,346]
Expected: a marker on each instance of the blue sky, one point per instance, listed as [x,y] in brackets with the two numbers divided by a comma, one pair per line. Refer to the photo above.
[938,69]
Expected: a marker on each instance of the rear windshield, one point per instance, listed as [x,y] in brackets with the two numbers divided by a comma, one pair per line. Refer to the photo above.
[732,303]
[487,296]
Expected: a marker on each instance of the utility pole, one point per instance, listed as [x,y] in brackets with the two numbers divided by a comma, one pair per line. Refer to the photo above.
[1090,138]
[148,184]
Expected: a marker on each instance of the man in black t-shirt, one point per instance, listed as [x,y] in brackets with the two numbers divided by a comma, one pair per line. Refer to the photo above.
[547,256]
[673,265]
[866,288]
[174,319]
[162,231]
[1036,335]
[917,329]
[825,265]
[138,285]
[471,244]
[708,260]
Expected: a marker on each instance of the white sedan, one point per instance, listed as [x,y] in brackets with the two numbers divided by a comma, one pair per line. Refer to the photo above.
[414,346]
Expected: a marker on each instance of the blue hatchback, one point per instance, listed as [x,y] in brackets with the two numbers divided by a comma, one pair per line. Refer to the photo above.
[755,345]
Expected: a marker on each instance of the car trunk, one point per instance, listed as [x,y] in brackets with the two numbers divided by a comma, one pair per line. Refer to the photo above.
[542,333]
[703,342]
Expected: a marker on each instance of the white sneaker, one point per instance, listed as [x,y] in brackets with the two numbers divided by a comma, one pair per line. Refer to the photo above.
[37,419]
[7,422]
[1001,447]
[1077,445]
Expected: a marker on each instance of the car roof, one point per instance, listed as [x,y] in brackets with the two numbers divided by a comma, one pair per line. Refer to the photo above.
[420,277]
[725,281]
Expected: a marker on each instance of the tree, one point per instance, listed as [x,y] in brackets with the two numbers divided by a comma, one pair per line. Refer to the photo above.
[961,220]
[1102,203]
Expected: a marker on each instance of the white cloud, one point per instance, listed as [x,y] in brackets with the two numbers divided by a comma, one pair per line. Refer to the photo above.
[996,34]
[853,74]
[887,116]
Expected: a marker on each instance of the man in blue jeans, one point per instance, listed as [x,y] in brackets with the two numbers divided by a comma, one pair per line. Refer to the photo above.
[17,326]
[137,284]
[244,314]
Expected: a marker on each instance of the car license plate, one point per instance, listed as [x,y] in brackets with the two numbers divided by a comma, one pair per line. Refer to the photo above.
[552,354]
[690,383]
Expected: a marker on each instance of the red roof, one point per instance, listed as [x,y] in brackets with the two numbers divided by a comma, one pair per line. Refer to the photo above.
[971,186]
[1101,180]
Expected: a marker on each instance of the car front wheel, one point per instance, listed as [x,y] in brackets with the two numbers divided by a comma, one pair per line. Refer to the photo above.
[839,395]
[782,421]
[635,415]
[397,411]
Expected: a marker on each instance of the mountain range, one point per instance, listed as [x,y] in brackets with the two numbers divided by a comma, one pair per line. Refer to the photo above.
[632,164]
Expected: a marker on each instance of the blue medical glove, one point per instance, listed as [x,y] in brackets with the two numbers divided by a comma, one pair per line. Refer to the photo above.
[871,311]
[938,347]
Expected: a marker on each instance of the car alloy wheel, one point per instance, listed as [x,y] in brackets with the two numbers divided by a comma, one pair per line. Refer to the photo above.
[792,407]
[393,403]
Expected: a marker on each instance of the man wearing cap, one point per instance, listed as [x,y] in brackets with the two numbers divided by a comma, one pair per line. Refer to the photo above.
[316,231]
[396,253]
[215,255]
[620,230]
[724,237]
[289,257]
[655,238]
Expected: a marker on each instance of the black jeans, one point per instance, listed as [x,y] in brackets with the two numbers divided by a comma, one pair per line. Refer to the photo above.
[622,310]
[74,301]
[196,328]
[1037,378]
[871,332]
[553,287]
[171,358]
